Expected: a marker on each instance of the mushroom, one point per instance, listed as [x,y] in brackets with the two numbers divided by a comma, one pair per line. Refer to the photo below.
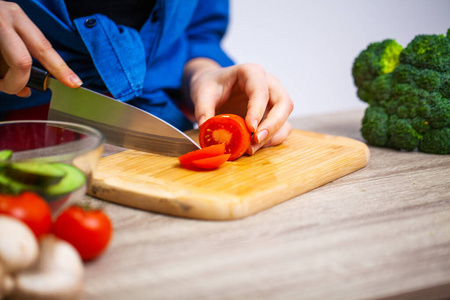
[58,274]
[18,245]
[18,251]
[52,269]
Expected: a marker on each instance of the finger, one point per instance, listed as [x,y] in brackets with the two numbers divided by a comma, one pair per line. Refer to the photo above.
[278,138]
[252,80]
[41,49]
[205,99]
[25,93]
[16,62]
[277,115]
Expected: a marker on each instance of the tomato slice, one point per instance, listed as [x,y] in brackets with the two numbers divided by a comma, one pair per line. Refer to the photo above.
[214,150]
[211,163]
[228,129]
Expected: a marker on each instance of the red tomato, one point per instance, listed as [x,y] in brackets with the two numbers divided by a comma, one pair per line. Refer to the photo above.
[227,129]
[30,208]
[88,230]
[206,152]
[211,163]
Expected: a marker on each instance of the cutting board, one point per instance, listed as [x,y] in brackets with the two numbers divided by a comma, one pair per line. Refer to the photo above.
[250,184]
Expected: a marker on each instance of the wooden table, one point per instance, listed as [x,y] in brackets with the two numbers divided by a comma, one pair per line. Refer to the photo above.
[382,232]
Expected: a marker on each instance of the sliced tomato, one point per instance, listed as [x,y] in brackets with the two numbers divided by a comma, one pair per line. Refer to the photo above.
[206,152]
[211,163]
[228,129]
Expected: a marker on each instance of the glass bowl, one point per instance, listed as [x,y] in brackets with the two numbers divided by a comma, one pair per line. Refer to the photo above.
[53,159]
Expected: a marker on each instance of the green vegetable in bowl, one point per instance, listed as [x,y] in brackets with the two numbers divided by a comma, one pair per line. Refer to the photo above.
[53,181]
[34,173]
[408,92]
[5,155]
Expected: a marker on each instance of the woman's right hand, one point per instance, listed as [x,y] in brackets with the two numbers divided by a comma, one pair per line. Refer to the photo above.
[20,40]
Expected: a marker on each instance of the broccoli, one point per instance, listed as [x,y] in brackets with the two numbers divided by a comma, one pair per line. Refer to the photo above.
[408,92]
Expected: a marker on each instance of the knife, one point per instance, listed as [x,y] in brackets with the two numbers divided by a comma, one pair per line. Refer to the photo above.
[122,124]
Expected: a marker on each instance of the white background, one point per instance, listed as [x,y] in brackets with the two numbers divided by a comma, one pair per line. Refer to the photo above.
[310,45]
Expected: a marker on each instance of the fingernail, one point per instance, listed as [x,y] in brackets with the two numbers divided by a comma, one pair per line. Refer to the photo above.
[262,135]
[201,120]
[76,81]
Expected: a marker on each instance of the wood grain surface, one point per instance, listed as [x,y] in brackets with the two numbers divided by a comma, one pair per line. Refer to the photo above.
[238,189]
[382,232]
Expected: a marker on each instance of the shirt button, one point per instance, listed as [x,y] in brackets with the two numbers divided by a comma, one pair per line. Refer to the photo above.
[91,22]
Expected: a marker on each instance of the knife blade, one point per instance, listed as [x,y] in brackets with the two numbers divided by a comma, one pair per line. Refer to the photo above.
[122,124]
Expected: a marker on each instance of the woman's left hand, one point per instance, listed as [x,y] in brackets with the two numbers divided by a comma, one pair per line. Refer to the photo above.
[246,90]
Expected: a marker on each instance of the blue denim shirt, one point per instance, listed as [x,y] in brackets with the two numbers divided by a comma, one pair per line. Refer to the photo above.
[143,67]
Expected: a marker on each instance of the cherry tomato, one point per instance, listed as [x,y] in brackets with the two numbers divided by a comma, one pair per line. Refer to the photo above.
[211,163]
[88,230]
[228,129]
[206,152]
[30,208]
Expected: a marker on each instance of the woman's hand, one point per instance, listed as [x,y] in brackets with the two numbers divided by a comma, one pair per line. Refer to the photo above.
[20,40]
[246,90]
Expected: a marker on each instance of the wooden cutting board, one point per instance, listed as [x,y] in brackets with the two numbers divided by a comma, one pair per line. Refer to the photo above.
[306,160]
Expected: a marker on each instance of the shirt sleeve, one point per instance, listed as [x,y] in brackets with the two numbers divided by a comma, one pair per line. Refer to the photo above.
[206,30]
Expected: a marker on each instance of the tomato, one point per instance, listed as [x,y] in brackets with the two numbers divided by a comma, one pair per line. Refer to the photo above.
[211,163]
[207,158]
[88,230]
[228,129]
[30,208]
[210,151]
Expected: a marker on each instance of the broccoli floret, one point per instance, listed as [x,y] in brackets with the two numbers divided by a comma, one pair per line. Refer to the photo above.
[377,59]
[380,90]
[436,141]
[428,52]
[402,135]
[375,125]
[408,92]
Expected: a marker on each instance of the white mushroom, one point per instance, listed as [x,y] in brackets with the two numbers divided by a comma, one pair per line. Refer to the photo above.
[18,245]
[52,269]
[58,274]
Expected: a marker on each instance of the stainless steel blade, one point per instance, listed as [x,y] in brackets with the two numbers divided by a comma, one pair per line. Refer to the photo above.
[122,124]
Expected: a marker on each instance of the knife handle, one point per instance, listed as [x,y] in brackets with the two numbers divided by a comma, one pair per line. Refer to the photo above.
[38,79]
